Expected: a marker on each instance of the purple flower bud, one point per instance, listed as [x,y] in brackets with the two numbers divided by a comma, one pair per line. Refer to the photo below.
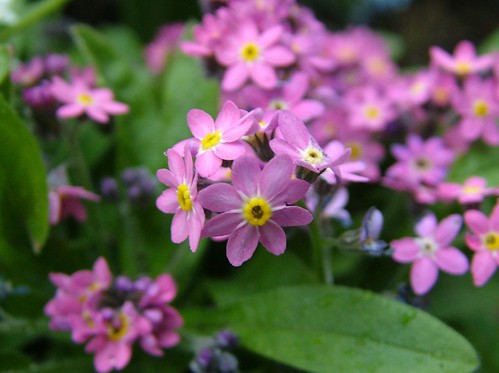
[122,283]
[226,339]
[227,363]
[39,97]
[56,64]
[109,188]
[205,357]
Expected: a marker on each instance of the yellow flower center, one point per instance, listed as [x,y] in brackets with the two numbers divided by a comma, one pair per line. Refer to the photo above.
[117,331]
[184,197]
[463,68]
[278,104]
[312,155]
[84,99]
[257,211]
[250,52]
[480,108]
[471,189]
[491,241]
[371,112]
[356,150]
[211,140]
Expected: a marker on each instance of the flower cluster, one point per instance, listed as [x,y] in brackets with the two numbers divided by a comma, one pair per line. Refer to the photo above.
[46,90]
[112,314]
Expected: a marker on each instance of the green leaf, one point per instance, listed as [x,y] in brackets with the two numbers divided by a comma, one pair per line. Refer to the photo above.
[23,185]
[34,14]
[13,360]
[481,160]
[4,63]
[324,329]
[395,44]
[491,44]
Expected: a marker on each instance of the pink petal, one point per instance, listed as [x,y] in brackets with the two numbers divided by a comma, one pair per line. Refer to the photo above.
[245,175]
[476,221]
[293,129]
[230,151]
[494,218]
[424,273]
[276,176]
[280,146]
[406,250]
[279,56]
[167,178]
[195,227]
[273,238]
[263,75]
[292,216]
[308,109]
[97,114]
[234,77]
[270,36]
[54,208]
[222,224]
[448,229]
[295,191]
[179,227]
[70,111]
[465,50]
[207,163]
[228,116]
[473,242]
[426,226]
[200,123]
[116,108]
[176,165]
[167,202]
[452,260]
[220,198]
[242,244]
[483,267]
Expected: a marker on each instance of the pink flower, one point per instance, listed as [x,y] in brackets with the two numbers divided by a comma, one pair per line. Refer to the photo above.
[165,42]
[217,140]
[297,142]
[474,190]
[431,251]
[250,55]
[181,198]
[463,62]
[484,241]
[78,99]
[29,73]
[342,171]
[479,109]
[65,201]
[255,208]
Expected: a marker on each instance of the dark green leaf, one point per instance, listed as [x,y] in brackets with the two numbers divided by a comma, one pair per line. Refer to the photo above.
[491,44]
[23,185]
[325,329]
[481,160]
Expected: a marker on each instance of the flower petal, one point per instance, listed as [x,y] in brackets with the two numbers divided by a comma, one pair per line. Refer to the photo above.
[276,176]
[234,77]
[448,229]
[245,175]
[263,75]
[483,267]
[221,225]
[167,202]
[207,163]
[452,261]
[476,221]
[200,123]
[179,228]
[406,250]
[220,198]
[292,216]
[242,244]
[424,273]
[426,226]
[273,238]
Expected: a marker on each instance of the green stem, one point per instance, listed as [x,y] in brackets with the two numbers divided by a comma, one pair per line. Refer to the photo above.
[321,250]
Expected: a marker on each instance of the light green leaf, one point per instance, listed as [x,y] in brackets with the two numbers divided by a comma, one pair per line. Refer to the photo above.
[337,329]
[481,160]
[491,44]
[33,14]
[23,185]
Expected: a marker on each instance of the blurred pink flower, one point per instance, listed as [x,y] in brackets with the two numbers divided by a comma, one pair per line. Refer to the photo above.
[473,190]
[164,44]
[431,251]
[65,201]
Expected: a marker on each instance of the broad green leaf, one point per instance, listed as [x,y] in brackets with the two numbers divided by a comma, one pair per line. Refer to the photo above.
[33,14]
[23,185]
[12,361]
[480,160]
[4,63]
[337,329]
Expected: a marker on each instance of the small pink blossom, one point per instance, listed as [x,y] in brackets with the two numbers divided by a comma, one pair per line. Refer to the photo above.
[181,198]
[65,201]
[473,190]
[78,98]
[464,60]
[484,241]
[251,55]
[163,45]
[255,207]
[431,251]
[217,140]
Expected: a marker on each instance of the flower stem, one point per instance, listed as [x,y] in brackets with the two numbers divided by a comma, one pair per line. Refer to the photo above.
[321,251]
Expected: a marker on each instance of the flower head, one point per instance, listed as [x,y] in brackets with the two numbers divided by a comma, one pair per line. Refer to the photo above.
[431,251]
[255,207]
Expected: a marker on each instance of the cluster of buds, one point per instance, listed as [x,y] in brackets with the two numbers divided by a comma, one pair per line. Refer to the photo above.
[112,314]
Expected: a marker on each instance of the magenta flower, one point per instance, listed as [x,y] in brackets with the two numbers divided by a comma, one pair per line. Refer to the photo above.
[255,208]
[250,55]
[297,142]
[29,73]
[341,171]
[78,99]
[181,198]
[479,109]
[431,251]
[220,139]
[65,201]
[163,45]
[484,241]
[474,190]
[463,62]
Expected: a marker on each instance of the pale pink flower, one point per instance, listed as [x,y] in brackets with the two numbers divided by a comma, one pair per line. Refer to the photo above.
[251,55]
[181,198]
[78,98]
[65,201]
[217,140]
[431,251]
[342,170]
[255,208]
[484,241]
[473,190]
[163,45]
[464,60]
